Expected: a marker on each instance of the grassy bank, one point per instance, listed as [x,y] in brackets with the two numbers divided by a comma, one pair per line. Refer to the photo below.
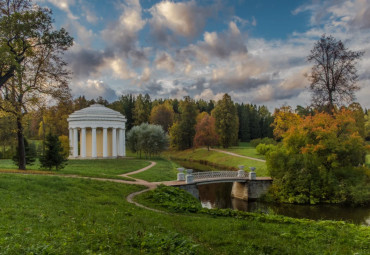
[43,214]
[245,149]
[103,168]
[219,158]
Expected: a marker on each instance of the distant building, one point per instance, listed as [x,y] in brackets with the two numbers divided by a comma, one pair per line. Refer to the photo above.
[97,132]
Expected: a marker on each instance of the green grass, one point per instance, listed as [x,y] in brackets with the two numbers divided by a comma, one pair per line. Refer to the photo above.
[245,149]
[54,215]
[164,170]
[220,158]
[368,160]
[103,168]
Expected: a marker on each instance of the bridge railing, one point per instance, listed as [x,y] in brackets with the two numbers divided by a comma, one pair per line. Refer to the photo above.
[218,175]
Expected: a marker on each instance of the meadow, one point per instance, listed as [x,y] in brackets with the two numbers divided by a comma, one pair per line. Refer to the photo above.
[56,215]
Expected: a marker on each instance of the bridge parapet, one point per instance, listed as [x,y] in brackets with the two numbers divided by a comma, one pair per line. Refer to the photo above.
[199,176]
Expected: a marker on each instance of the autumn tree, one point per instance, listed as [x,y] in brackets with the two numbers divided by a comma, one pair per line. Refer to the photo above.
[284,118]
[334,74]
[206,132]
[32,67]
[320,160]
[163,115]
[227,121]
[24,29]
[142,109]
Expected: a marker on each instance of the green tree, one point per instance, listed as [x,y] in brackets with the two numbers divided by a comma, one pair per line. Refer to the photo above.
[54,155]
[125,105]
[147,138]
[188,114]
[227,122]
[244,130]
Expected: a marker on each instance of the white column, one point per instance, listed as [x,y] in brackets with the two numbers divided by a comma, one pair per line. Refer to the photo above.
[70,141]
[83,143]
[75,142]
[105,143]
[114,142]
[121,137]
[93,142]
[124,142]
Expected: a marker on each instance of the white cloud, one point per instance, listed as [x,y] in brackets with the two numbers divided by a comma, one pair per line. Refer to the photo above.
[92,89]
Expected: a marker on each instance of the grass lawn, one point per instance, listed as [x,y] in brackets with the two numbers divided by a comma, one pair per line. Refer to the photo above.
[220,158]
[164,170]
[104,168]
[245,149]
[55,215]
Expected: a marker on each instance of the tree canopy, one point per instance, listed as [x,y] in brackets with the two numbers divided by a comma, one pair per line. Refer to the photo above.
[334,74]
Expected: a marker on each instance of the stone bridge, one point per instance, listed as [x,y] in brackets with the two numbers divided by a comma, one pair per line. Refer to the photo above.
[246,186]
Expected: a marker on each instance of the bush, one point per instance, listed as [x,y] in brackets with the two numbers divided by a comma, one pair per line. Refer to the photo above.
[263,149]
[174,199]
[266,140]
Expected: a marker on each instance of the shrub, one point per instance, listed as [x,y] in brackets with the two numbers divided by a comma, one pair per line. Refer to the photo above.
[174,199]
[263,149]
[265,140]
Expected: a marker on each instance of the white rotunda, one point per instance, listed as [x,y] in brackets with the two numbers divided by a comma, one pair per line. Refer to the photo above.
[97,132]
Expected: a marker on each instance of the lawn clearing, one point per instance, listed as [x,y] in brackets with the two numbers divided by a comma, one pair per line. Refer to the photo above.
[220,158]
[164,170]
[56,215]
[245,149]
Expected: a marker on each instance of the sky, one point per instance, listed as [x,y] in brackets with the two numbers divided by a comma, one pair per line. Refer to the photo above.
[256,51]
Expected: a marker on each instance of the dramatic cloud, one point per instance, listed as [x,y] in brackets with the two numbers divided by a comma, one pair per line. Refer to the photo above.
[93,89]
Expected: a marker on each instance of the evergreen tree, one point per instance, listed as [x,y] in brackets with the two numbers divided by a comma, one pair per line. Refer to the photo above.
[244,131]
[227,122]
[182,132]
[30,151]
[125,105]
[53,156]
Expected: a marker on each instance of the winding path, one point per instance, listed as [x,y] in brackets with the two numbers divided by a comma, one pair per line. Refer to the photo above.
[237,155]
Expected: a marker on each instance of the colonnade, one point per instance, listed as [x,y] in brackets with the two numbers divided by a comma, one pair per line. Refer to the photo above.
[118,146]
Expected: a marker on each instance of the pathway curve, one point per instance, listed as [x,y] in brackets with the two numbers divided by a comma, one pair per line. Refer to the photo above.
[237,155]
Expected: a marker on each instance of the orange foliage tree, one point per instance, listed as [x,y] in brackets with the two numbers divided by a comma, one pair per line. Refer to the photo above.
[321,160]
[205,131]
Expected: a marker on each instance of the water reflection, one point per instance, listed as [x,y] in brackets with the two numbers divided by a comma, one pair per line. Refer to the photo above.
[218,196]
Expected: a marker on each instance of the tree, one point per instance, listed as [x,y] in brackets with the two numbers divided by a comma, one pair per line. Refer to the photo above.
[125,105]
[24,29]
[30,152]
[185,127]
[206,132]
[227,122]
[321,160]
[31,64]
[162,115]
[334,75]
[147,138]
[284,118]
[142,109]
[54,155]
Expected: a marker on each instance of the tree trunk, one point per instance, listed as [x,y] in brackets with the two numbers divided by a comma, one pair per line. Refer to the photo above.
[22,153]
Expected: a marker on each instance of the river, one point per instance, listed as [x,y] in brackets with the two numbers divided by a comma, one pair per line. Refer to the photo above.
[218,196]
